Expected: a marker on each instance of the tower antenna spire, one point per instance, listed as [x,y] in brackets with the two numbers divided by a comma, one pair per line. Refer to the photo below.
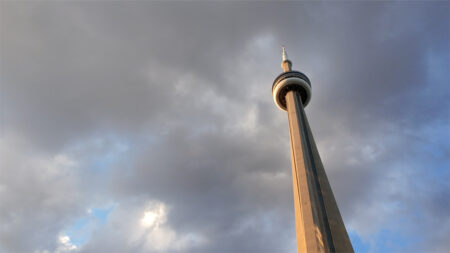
[286,64]
[284,56]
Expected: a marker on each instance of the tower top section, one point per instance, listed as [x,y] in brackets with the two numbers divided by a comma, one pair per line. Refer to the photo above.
[286,64]
[290,80]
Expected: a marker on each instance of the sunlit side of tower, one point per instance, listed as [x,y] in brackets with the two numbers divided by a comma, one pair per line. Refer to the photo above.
[318,221]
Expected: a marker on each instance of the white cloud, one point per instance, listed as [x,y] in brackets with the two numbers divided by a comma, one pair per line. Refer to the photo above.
[156,235]
[65,245]
[154,216]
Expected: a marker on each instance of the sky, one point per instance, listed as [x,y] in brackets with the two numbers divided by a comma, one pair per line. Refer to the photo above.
[135,126]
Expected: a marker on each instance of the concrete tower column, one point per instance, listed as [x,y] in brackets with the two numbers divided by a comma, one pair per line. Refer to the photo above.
[319,224]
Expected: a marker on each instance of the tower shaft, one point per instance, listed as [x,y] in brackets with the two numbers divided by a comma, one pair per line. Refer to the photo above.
[319,223]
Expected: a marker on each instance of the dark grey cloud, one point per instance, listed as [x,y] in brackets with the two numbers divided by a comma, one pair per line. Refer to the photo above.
[137,103]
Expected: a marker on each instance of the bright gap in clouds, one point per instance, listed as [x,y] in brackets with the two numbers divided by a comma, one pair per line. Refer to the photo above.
[81,230]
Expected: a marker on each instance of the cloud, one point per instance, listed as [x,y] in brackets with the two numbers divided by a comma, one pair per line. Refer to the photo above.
[165,111]
[38,195]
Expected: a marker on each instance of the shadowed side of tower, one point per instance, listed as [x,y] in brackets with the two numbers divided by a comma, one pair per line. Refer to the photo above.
[319,224]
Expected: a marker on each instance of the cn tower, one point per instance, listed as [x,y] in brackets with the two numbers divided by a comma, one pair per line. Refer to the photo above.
[318,222]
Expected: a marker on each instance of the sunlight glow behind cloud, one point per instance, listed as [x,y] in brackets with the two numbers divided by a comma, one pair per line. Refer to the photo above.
[154,216]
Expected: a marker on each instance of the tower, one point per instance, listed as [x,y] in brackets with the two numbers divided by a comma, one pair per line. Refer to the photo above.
[319,224]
